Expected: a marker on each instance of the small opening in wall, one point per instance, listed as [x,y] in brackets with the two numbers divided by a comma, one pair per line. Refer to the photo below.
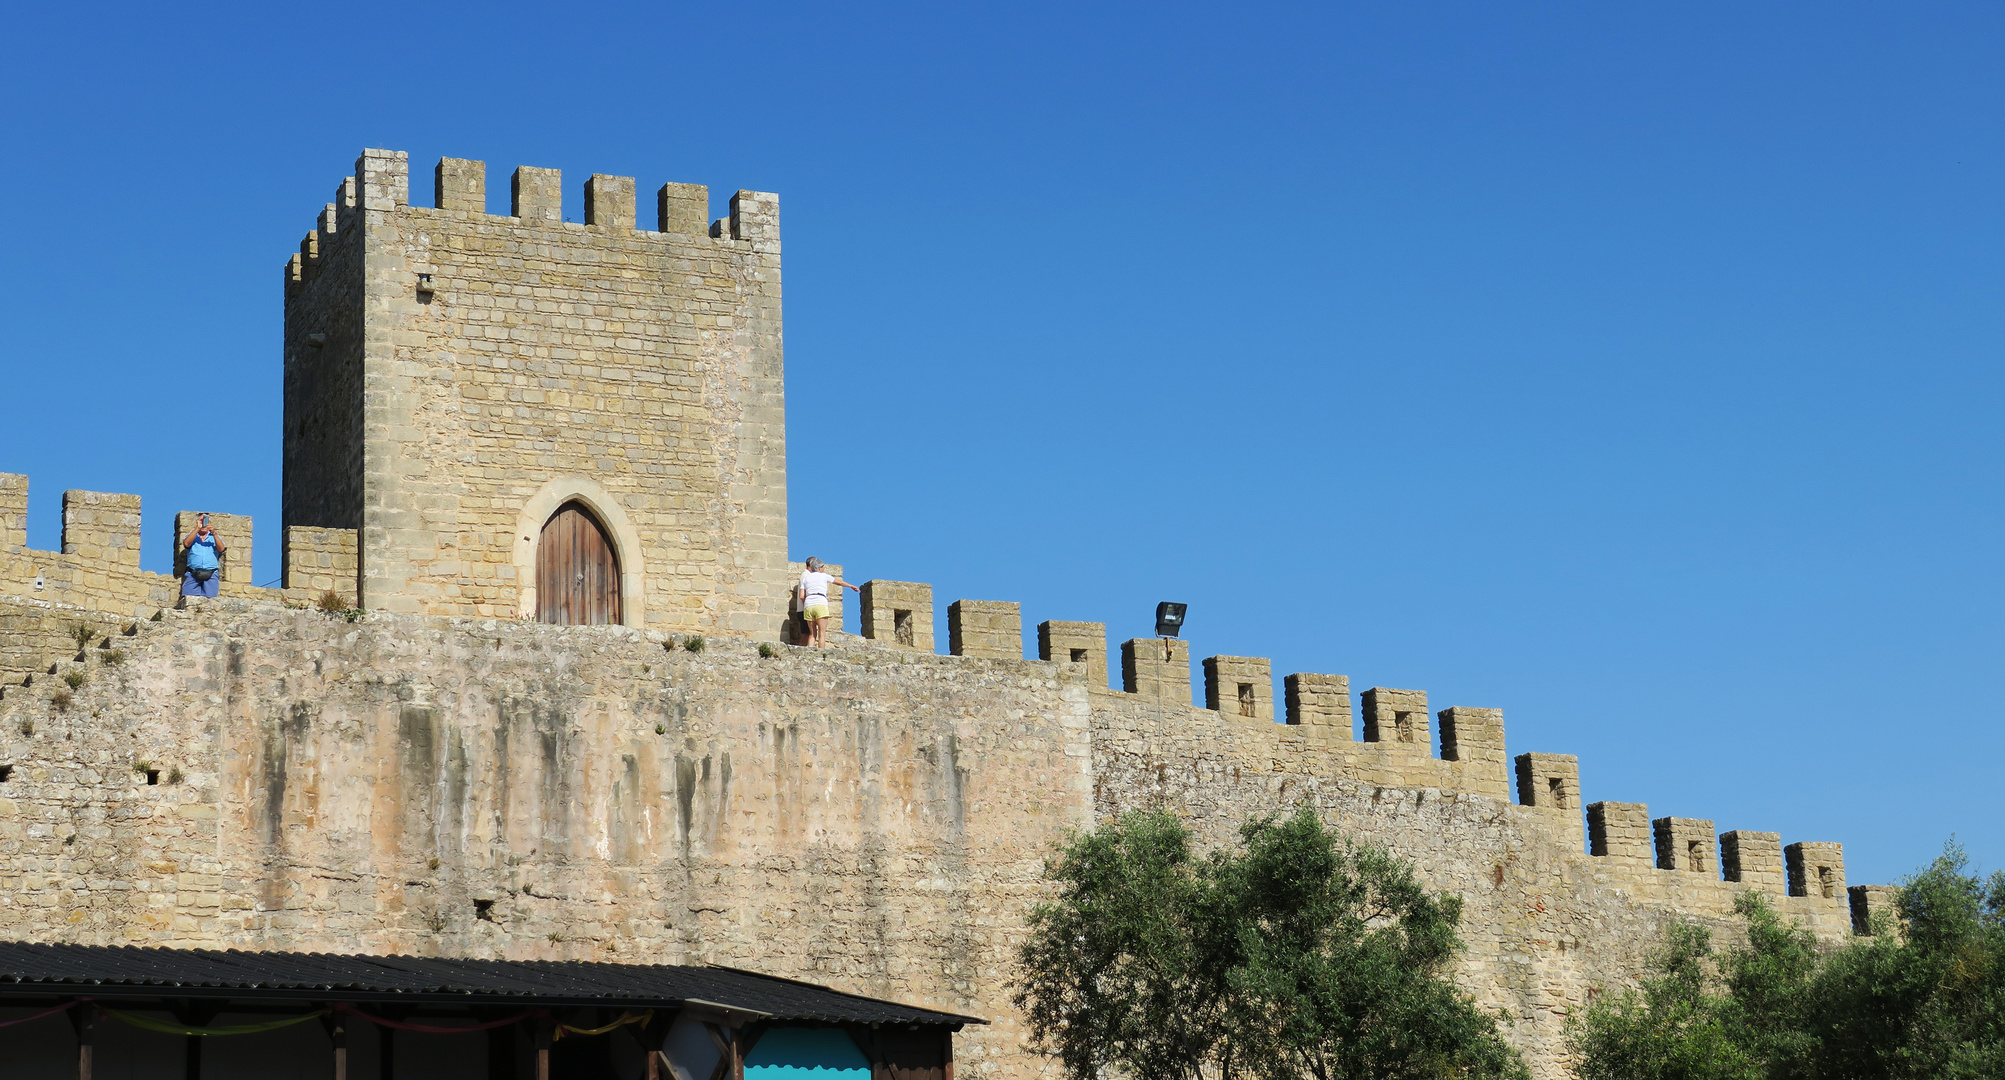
[1556,789]
[901,626]
[1402,726]
[153,778]
[1246,699]
[1079,656]
[483,910]
[6,773]
[1695,853]
[1824,882]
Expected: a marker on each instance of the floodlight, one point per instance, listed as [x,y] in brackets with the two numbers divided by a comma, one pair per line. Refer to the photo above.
[1169,618]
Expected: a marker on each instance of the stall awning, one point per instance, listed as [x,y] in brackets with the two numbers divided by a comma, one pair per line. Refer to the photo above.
[108,972]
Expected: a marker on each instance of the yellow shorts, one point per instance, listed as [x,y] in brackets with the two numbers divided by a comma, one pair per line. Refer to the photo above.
[815,612]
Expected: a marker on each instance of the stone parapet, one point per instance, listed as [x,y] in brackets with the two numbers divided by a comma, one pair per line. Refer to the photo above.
[1240,686]
[320,561]
[1082,643]
[1620,832]
[1816,869]
[991,628]
[1397,716]
[1685,845]
[1320,701]
[1754,859]
[898,614]
[1157,669]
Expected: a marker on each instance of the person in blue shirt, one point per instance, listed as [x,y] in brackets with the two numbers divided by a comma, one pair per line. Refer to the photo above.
[205,567]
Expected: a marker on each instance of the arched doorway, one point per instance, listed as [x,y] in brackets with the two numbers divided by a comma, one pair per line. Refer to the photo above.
[577,573]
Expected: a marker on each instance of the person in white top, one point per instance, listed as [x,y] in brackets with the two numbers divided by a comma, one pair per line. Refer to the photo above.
[812,595]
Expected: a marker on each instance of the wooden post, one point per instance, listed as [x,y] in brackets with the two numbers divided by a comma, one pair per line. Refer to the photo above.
[654,1065]
[947,1052]
[543,1032]
[338,1033]
[84,1019]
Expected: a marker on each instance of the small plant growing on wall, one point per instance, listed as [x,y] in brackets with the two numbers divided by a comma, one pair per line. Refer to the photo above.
[174,775]
[331,603]
[75,678]
[766,650]
[83,634]
[62,700]
[27,728]
[113,657]
[694,643]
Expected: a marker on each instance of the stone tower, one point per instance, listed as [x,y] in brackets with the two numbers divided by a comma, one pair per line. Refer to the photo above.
[455,380]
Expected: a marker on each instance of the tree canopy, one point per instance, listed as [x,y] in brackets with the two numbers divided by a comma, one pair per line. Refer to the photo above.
[1923,996]
[1303,955]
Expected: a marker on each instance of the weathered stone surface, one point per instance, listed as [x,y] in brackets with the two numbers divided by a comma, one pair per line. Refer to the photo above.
[871,817]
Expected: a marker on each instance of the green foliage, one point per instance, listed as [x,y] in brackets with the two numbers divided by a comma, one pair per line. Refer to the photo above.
[331,603]
[1924,996]
[1301,956]
[694,643]
[82,633]
[766,650]
[75,678]
[62,700]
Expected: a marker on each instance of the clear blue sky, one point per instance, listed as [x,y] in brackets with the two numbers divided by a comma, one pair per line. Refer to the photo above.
[1635,371]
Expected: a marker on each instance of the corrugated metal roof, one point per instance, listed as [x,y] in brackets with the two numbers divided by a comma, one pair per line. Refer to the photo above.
[124,971]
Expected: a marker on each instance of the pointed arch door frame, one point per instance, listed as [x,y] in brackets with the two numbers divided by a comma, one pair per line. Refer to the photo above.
[625,541]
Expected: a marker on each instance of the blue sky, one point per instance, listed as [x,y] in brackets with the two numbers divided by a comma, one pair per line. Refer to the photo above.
[1632,369]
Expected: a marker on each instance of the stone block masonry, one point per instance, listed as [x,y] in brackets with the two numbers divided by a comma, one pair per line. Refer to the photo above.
[898,614]
[13,511]
[1476,736]
[1082,643]
[1816,869]
[1157,669]
[320,561]
[1685,844]
[1321,701]
[1240,686]
[1397,716]
[1620,832]
[501,367]
[1754,859]
[871,816]
[98,566]
[102,528]
[992,628]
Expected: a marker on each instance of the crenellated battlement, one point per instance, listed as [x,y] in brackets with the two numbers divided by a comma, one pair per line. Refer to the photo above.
[1396,743]
[608,204]
[97,568]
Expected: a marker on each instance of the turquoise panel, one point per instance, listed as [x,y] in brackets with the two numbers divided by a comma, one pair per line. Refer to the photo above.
[806,1054]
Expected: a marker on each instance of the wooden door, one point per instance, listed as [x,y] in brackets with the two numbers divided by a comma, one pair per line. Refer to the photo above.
[577,574]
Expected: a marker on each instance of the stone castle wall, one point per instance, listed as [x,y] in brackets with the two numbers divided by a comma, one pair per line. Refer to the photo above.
[440,775]
[454,376]
[871,816]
